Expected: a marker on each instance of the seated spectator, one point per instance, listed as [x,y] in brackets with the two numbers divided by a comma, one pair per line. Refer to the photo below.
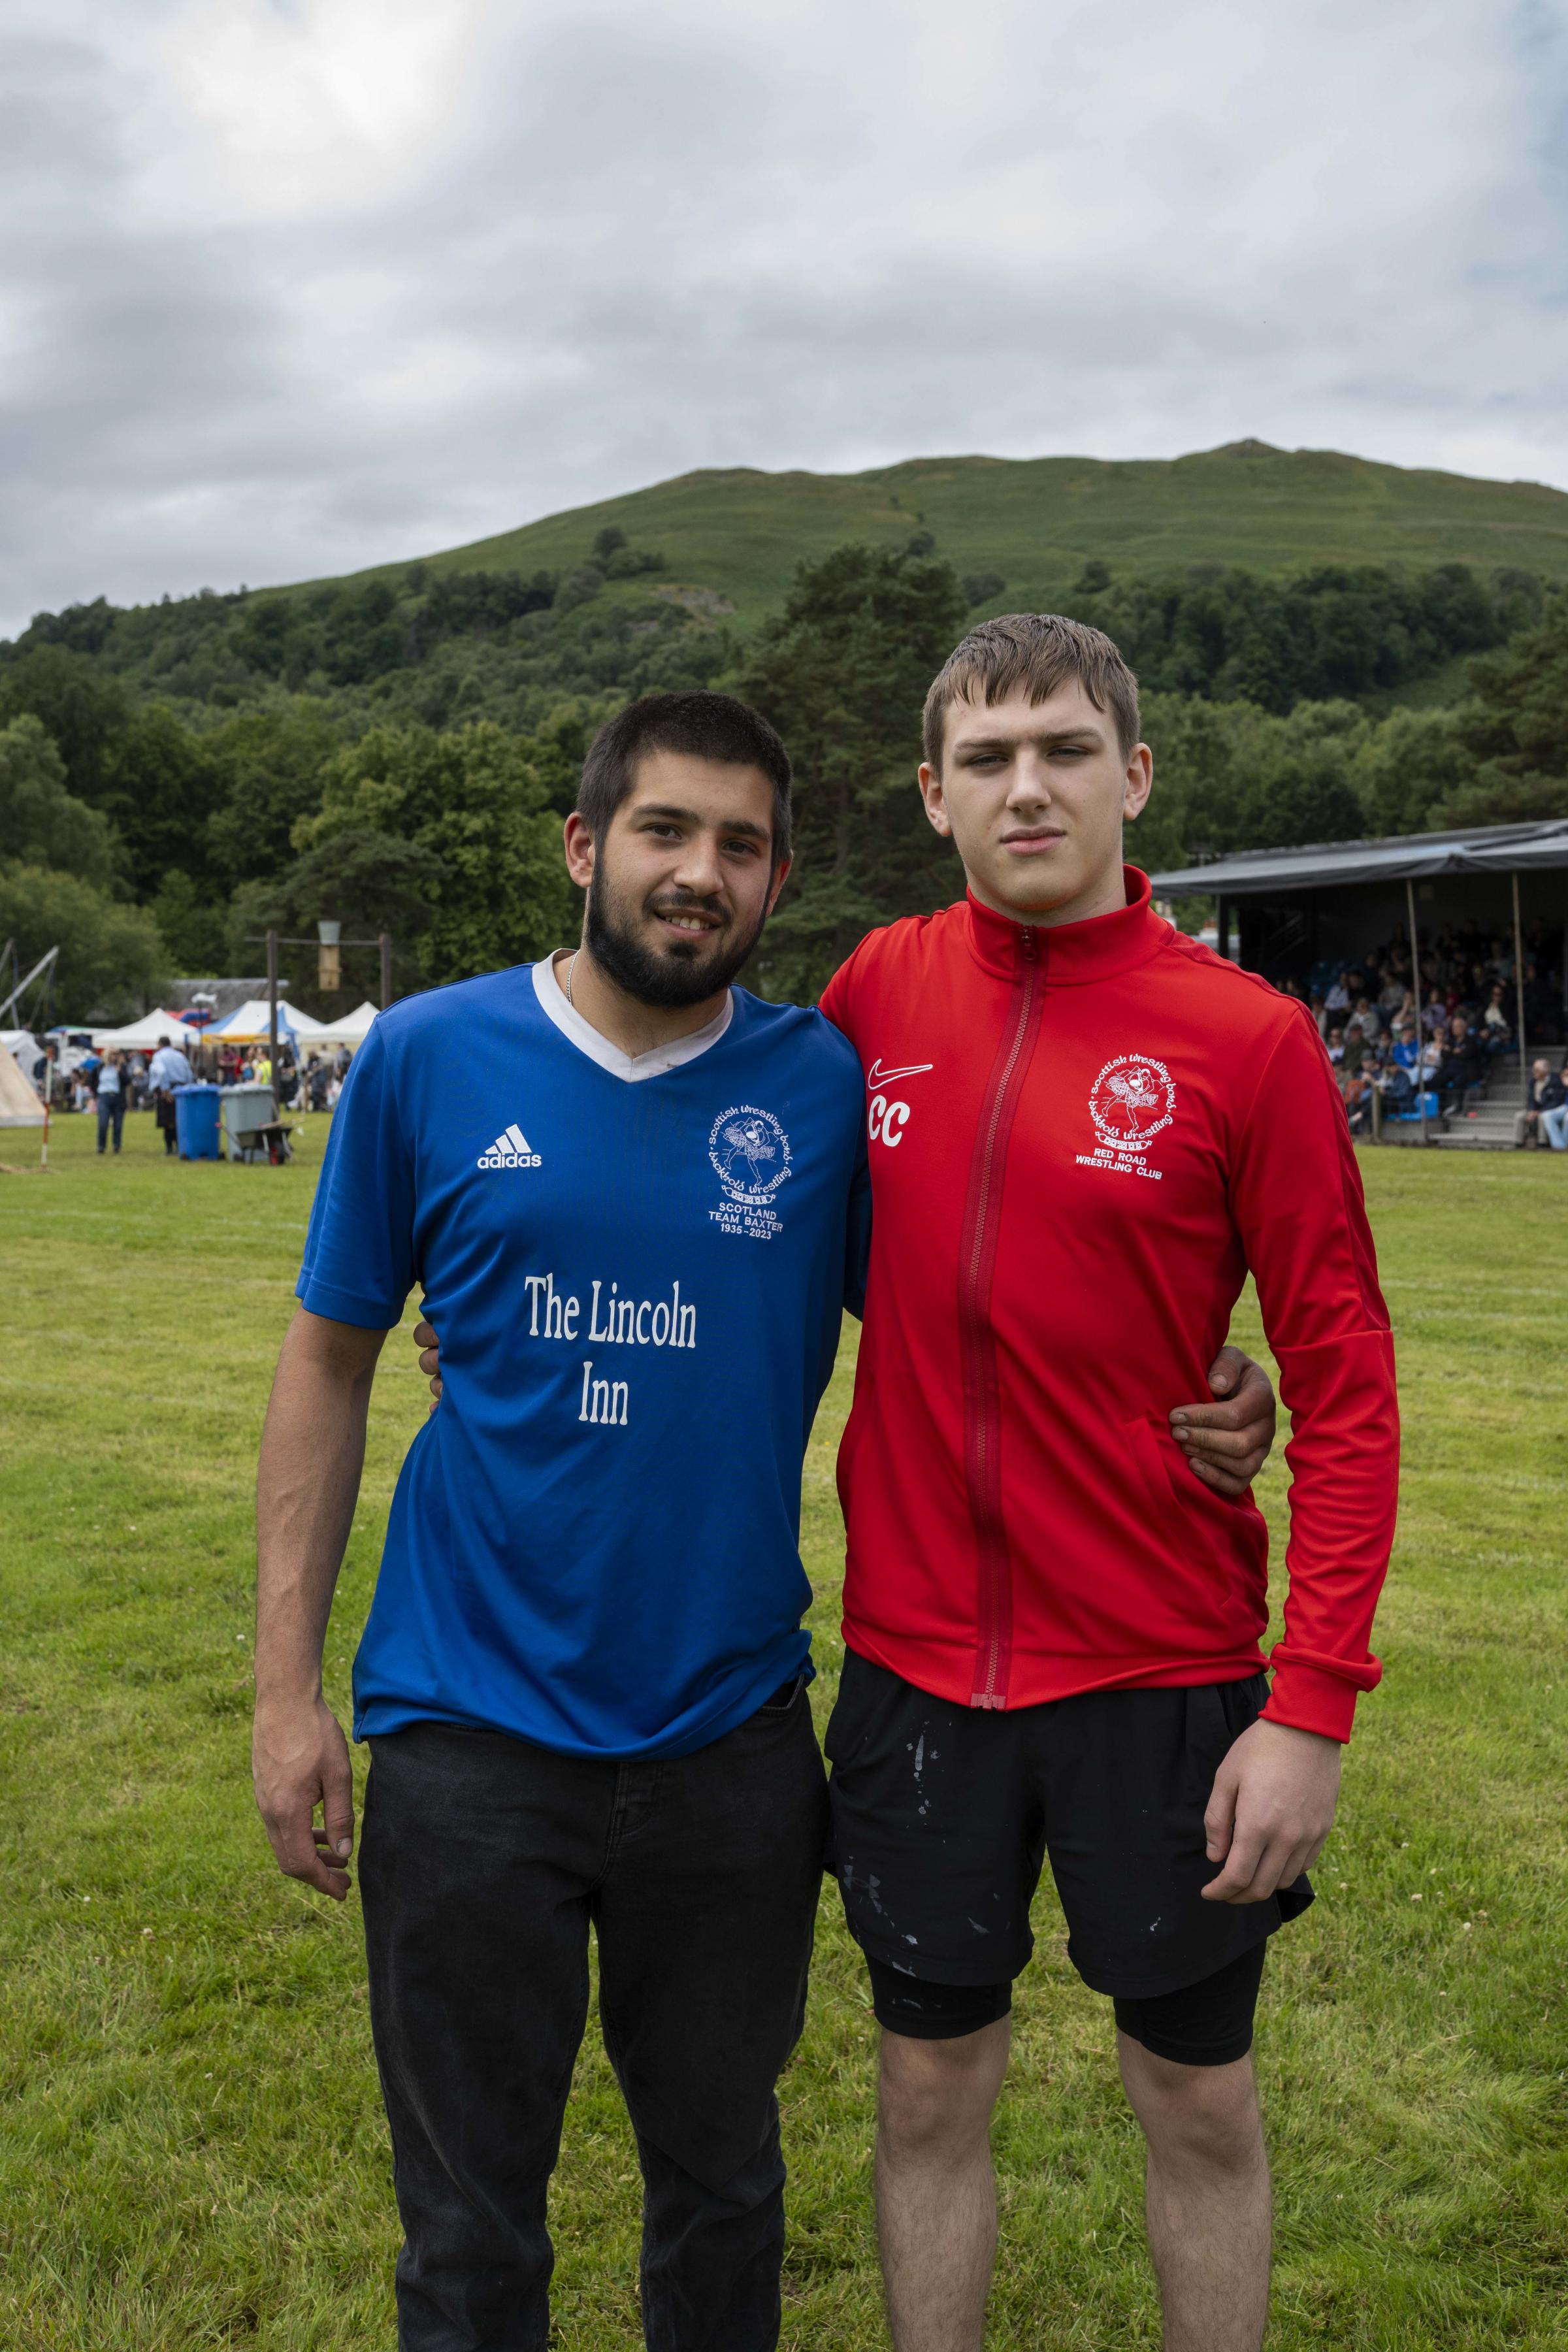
[1407,1051]
[1357,1090]
[1496,1033]
[1555,1117]
[1545,1095]
[1336,1041]
[1460,1069]
[1355,1050]
[1338,997]
[1540,1004]
[1397,1084]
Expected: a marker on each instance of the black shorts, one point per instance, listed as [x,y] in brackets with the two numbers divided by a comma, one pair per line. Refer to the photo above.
[942,1816]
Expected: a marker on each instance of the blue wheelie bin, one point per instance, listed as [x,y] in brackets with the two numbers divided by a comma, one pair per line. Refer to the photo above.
[195,1121]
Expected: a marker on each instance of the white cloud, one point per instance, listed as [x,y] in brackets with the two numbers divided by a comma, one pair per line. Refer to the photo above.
[297,284]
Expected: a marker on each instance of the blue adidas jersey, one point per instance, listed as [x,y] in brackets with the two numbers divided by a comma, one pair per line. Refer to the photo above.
[594,1541]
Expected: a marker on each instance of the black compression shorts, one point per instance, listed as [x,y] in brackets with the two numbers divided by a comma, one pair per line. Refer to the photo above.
[942,1817]
[1206,2025]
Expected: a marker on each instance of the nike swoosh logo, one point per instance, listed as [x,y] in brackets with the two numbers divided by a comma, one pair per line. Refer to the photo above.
[878,1077]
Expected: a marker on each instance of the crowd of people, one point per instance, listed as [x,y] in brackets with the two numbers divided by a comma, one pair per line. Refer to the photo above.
[108,1084]
[1395,1050]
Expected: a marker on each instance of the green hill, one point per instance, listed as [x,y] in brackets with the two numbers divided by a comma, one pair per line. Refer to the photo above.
[739,534]
[1242,573]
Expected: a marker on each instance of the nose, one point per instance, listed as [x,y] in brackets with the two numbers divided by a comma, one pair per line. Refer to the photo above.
[699,869]
[1030,784]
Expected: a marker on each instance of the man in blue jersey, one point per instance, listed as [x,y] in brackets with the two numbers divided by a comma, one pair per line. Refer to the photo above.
[634,1204]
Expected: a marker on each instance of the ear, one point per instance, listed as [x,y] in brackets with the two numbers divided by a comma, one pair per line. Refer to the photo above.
[579,846]
[781,875]
[935,800]
[1139,781]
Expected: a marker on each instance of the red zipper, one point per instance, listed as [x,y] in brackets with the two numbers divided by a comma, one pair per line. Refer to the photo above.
[977,1340]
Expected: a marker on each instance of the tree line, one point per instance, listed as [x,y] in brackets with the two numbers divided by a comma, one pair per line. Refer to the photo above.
[150,832]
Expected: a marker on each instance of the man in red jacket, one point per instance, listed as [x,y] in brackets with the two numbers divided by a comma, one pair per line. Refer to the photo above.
[1085,1132]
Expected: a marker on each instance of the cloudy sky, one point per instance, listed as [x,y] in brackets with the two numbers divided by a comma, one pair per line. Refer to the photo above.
[287,287]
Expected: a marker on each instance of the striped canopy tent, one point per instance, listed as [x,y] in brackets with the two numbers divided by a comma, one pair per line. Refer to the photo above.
[250,1024]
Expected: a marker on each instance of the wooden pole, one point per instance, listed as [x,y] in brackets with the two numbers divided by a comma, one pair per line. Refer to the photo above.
[1519,994]
[1415,991]
[386,945]
[272,1009]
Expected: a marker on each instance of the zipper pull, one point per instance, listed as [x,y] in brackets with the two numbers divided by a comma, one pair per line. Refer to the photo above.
[1028,939]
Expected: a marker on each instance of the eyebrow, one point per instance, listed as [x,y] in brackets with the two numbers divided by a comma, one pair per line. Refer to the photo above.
[689,817]
[1049,738]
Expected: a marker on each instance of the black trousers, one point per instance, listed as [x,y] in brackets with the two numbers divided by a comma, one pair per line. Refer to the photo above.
[482,1861]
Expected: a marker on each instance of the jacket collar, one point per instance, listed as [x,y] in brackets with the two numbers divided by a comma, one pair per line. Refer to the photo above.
[1069,953]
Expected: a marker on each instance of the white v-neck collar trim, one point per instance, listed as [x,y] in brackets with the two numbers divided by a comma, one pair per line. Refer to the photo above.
[632,1067]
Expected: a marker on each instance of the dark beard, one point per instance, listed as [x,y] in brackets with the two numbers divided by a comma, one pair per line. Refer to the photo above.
[672,978]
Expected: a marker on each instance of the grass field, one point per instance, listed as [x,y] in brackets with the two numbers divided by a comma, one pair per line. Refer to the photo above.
[741,532]
[191,2146]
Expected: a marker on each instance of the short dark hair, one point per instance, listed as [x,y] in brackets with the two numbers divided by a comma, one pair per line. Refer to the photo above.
[706,727]
[1040,652]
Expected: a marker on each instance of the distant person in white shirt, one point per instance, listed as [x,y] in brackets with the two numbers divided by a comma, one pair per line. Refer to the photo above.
[169,1069]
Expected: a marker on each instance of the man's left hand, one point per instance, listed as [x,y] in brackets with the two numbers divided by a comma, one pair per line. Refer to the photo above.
[1271,1810]
[1227,1442]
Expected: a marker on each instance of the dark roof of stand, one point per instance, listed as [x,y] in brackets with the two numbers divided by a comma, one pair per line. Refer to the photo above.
[1477,849]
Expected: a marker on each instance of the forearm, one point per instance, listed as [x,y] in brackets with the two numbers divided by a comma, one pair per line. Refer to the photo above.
[312,1453]
[1345,1460]
[1297,1197]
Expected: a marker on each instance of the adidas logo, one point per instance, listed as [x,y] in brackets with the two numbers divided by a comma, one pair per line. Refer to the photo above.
[510,1151]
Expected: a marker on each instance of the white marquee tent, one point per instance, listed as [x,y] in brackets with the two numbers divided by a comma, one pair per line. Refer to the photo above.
[19,1105]
[352,1030]
[141,1036]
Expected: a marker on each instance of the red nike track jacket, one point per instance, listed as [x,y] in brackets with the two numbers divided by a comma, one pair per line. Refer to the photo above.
[1082,1138]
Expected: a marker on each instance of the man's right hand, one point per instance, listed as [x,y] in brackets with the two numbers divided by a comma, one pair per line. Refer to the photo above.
[300,1760]
[430,1349]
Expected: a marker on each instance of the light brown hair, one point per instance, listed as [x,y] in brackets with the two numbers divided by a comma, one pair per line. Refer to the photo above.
[1041,652]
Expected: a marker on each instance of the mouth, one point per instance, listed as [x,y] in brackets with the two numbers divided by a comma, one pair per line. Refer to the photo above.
[1033,841]
[687,923]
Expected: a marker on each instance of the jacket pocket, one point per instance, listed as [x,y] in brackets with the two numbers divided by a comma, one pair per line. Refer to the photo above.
[1196,1543]
[1158,1476]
